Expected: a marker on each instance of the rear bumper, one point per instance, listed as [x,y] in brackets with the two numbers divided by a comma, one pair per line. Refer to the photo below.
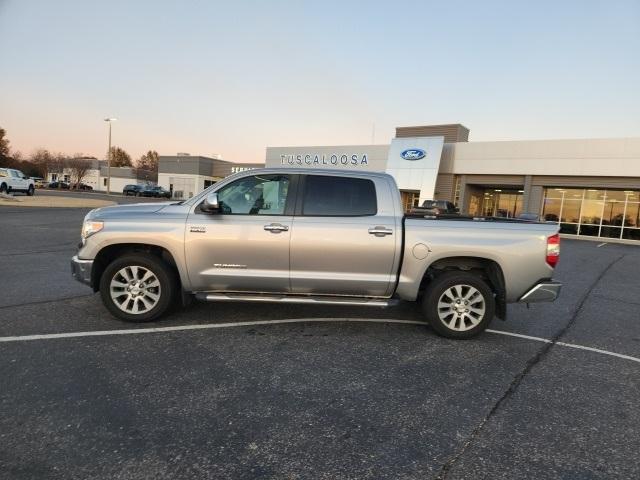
[81,270]
[546,291]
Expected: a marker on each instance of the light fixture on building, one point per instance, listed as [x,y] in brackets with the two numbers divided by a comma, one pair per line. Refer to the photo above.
[497,190]
[520,191]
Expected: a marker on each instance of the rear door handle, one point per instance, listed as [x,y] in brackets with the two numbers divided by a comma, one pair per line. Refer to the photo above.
[380,231]
[276,228]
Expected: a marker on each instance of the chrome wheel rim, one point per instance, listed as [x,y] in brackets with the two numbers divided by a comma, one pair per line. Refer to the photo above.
[461,307]
[135,289]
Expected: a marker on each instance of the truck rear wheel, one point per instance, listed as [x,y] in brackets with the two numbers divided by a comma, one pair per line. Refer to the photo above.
[458,305]
[138,287]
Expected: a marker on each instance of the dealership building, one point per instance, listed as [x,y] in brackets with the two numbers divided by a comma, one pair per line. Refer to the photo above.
[591,187]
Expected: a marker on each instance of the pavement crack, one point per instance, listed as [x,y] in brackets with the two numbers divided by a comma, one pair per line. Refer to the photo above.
[515,383]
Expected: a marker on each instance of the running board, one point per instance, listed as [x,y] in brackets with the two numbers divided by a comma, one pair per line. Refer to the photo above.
[316,300]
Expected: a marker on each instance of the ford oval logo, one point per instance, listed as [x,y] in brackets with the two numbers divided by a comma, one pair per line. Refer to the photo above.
[413,154]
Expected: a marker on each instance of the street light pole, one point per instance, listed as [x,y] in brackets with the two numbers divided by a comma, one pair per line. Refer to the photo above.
[109,120]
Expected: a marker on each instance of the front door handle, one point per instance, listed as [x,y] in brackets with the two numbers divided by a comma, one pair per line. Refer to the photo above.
[380,231]
[276,228]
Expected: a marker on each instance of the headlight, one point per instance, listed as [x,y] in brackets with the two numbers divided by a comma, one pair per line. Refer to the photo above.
[89,227]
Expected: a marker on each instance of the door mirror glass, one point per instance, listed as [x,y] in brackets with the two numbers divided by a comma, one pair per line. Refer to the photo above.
[210,204]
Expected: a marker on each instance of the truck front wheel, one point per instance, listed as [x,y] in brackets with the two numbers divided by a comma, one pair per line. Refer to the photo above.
[138,287]
[458,304]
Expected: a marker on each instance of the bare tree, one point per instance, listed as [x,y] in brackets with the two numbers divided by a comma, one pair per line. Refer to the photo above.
[58,162]
[148,161]
[79,168]
[5,151]
[4,144]
[43,160]
[147,167]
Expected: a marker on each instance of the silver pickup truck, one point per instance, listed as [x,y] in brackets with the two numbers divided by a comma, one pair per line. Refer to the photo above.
[313,236]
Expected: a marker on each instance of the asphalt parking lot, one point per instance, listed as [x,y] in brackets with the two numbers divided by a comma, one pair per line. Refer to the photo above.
[554,392]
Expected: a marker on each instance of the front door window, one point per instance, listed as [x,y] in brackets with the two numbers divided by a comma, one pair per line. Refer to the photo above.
[257,195]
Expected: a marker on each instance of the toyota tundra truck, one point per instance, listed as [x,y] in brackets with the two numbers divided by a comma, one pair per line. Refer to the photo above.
[313,237]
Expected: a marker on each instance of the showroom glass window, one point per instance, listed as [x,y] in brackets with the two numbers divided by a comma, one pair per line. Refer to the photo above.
[256,195]
[594,212]
[339,197]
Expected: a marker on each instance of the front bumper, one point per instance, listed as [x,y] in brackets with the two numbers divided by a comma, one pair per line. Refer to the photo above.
[81,270]
[546,291]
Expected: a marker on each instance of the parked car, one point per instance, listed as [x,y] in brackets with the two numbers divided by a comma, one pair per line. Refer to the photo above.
[135,190]
[81,186]
[157,192]
[12,180]
[435,207]
[60,184]
[320,237]
[40,183]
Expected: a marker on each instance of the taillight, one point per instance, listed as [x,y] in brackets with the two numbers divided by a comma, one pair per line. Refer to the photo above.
[553,250]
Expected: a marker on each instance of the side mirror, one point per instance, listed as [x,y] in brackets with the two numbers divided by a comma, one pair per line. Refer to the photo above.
[24,177]
[210,204]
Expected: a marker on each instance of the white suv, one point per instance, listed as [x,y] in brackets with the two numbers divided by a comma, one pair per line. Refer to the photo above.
[12,180]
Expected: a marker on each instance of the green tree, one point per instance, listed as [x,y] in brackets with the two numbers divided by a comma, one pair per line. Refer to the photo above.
[120,158]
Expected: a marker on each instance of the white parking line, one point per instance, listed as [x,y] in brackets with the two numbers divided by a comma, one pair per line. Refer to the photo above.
[178,328]
[519,335]
[563,344]
[133,331]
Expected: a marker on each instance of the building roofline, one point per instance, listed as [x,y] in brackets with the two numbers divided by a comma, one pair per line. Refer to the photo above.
[299,170]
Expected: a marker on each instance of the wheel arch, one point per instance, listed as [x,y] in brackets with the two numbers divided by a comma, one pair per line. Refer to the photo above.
[486,268]
[110,252]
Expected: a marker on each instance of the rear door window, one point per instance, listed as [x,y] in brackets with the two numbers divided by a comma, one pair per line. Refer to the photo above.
[329,196]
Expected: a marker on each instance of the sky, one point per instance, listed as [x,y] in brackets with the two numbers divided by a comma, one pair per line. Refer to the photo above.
[233,77]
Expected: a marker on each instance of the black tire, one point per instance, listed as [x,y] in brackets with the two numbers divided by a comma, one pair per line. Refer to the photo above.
[457,323]
[3,188]
[165,275]
[30,191]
